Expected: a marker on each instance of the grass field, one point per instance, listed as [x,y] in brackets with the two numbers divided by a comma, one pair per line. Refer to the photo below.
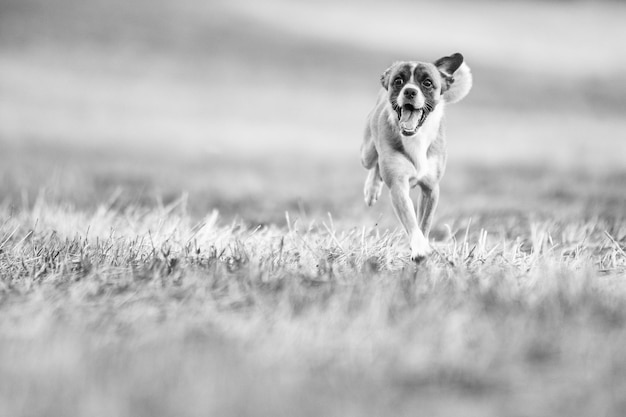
[182,230]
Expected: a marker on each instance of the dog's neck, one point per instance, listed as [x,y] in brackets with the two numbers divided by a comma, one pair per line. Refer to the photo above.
[416,146]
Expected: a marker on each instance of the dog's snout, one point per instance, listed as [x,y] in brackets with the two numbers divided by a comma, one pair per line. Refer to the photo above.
[410,93]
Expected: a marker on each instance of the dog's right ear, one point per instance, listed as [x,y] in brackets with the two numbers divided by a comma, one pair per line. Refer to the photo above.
[384,78]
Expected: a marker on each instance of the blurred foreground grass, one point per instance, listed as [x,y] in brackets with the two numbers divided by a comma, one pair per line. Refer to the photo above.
[148,312]
[149,153]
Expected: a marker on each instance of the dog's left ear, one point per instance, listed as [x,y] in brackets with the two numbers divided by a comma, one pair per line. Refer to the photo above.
[456,77]
[447,66]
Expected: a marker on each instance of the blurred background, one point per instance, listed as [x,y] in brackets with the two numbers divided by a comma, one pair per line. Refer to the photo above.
[257,107]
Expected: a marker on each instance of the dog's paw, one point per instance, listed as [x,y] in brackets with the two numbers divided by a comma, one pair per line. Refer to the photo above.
[420,251]
[372,194]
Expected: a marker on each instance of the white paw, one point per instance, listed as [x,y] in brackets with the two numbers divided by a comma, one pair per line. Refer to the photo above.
[372,194]
[420,249]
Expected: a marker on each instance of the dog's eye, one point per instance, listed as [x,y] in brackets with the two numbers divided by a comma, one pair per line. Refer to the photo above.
[397,82]
[427,83]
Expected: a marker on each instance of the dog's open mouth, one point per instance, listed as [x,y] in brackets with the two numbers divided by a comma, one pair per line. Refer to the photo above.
[410,119]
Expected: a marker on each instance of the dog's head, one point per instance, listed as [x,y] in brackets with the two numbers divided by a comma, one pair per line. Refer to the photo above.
[414,89]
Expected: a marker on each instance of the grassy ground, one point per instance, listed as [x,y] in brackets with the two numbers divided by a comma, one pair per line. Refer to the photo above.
[145,312]
[182,229]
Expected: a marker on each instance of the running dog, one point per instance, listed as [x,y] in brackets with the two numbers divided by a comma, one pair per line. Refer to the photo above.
[404,143]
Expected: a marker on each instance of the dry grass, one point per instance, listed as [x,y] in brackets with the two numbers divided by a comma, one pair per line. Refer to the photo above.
[144,312]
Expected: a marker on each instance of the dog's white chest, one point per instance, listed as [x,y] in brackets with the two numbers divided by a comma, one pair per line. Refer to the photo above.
[417,147]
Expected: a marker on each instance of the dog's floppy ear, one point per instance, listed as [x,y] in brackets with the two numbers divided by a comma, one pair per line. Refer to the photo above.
[448,64]
[456,77]
[384,78]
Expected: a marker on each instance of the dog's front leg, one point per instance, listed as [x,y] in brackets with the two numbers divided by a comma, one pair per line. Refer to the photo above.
[430,198]
[373,186]
[403,206]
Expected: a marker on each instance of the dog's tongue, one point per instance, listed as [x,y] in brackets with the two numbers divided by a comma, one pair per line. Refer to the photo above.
[409,118]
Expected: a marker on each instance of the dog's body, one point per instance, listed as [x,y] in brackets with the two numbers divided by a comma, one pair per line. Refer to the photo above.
[404,144]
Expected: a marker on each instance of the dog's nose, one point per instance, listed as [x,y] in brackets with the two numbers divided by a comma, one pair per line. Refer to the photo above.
[410,93]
